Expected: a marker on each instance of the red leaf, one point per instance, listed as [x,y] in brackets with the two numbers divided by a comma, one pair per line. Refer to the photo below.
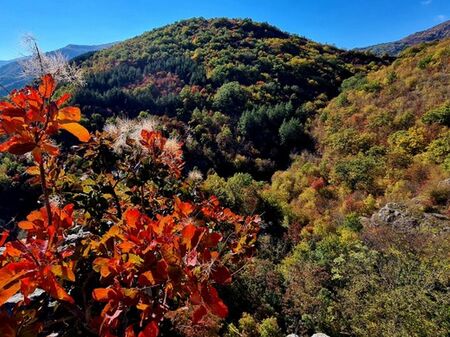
[213,239]
[77,130]
[19,149]
[16,145]
[213,301]
[52,286]
[4,237]
[147,279]
[47,86]
[131,217]
[221,275]
[63,99]
[150,330]
[198,314]
[27,286]
[187,234]
[7,293]
[102,294]
[13,112]
[129,331]
[195,297]
[183,208]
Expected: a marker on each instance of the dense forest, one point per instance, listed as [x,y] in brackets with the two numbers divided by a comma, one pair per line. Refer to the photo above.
[232,89]
[289,187]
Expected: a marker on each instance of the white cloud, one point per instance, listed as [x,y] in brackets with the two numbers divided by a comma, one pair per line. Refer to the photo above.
[426,2]
[441,18]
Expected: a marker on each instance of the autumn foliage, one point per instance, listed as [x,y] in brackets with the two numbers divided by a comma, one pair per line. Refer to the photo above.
[121,239]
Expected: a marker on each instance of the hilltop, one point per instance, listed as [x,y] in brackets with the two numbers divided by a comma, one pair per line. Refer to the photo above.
[232,88]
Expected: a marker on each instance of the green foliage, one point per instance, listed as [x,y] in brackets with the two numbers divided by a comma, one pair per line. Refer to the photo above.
[340,284]
[440,115]
[230,98]
[423,63]
[359,172]
[356,82]
[352,222]
[290,131]
[249,327]
[245,70]
[269,328]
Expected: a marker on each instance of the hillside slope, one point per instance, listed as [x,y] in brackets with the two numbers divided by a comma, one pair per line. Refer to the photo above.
[385,138]
[241,92]
[363,245]
[436,33]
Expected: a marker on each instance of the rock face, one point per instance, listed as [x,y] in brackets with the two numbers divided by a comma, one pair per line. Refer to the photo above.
[404,218]
[395,215]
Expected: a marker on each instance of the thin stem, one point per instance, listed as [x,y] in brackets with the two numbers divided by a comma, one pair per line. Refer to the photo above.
[39,57]
[45,191]
[116,200]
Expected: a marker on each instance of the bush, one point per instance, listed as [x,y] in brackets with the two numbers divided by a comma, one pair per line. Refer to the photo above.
[269,328]
[352,222]
[359,172]
[440,115]
[291,131]
[230,99]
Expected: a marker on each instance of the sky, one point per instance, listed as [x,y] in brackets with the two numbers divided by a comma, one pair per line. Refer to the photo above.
[344,23]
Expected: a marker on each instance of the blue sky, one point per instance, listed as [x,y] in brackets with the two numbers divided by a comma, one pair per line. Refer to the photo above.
[344,23]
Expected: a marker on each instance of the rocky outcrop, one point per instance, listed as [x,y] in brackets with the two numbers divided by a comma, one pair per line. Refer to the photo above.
[403,217]
[396,215]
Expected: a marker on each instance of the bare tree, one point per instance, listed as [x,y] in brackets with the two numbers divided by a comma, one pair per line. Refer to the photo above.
[56,64]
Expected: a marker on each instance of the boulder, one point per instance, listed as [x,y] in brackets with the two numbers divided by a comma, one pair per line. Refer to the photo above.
[406,219]
[396,215]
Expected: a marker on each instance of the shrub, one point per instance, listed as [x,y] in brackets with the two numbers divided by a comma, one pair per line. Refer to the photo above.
[352,222]
[359,172]
[441,115]
[114,243]
[269,328]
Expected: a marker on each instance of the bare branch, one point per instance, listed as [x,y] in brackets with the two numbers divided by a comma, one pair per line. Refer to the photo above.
[55,63]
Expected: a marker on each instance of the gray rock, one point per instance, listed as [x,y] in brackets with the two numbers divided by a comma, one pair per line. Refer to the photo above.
[444,183]
[396,215]
[406,219]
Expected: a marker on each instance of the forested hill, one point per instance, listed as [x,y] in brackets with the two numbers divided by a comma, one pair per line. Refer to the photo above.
[242,93]
[384,138]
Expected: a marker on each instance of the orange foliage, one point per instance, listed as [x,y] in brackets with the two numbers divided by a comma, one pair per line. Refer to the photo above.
[32,117]
[150,261]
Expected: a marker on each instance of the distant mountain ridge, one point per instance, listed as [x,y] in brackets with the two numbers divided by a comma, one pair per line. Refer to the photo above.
[10,70]
[436,33]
